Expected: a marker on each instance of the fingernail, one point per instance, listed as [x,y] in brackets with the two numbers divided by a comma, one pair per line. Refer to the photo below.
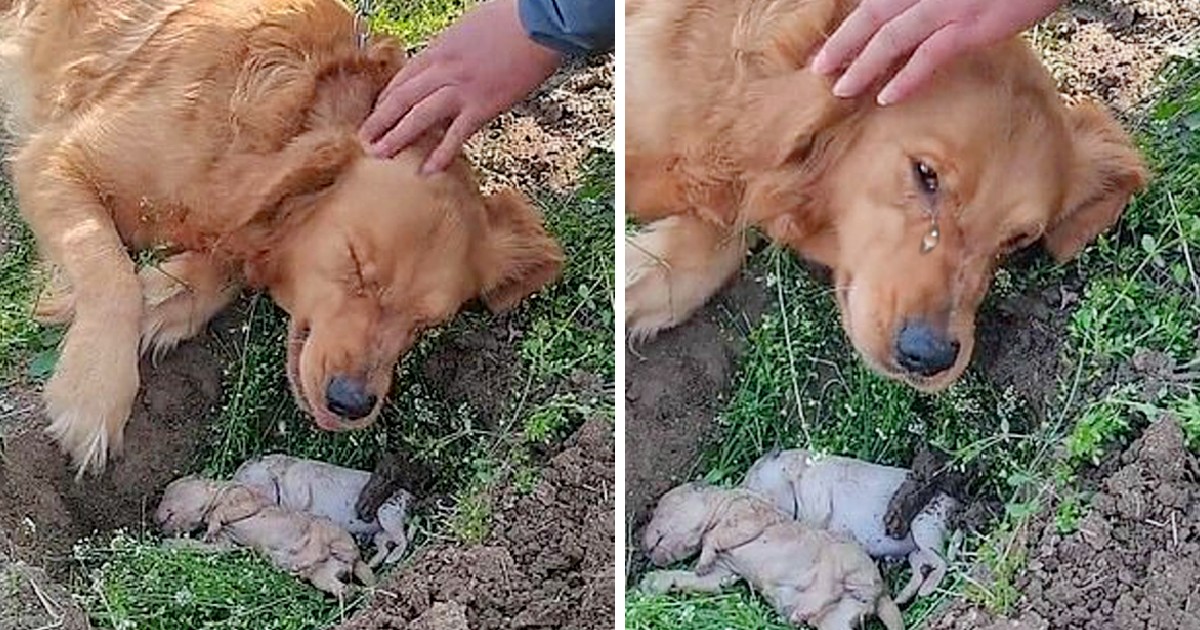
[886,96]
[818,63]
[841,89]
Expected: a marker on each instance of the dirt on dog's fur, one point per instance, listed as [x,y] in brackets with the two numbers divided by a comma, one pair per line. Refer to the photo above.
[1133,562]
[548,562]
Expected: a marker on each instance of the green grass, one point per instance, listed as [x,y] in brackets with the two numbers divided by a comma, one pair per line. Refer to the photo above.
[799,383]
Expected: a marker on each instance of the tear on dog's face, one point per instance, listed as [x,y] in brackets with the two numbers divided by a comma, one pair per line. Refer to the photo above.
[917,203]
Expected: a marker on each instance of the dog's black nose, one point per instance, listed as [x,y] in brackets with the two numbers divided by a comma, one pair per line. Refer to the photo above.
[348,398]
[921,349]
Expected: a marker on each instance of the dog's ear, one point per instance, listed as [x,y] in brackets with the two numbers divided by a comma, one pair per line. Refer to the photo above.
[731,531]
[1106,171]
[519,257]
[276,190]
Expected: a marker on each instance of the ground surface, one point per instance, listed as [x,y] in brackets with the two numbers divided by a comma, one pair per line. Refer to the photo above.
[548,562]
[481,420]
[1071,362]
[1133,562]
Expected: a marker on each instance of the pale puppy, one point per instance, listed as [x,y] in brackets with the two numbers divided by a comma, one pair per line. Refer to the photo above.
[311,547]
[330,491]
[810,575]
[851,497]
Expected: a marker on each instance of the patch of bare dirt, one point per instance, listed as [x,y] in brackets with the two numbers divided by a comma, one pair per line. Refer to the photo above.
[1133,563]
[543,142]
[45,511]
[547,563]
[30,599]
[674,386]
[1113,50]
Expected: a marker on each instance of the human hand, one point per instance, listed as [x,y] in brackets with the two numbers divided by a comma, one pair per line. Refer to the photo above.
[471,73]
[928,32]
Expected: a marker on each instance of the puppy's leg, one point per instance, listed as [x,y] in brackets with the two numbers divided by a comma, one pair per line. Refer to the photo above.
[673,266]
[180,295]
[847,614]
[928,533]
[658,582]
[327,577]
[915,564]
[392,541]
[90,396]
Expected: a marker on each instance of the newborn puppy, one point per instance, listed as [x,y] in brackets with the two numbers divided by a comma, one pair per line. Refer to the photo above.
[811,576]
[233,514]
[851,497]
[330,491]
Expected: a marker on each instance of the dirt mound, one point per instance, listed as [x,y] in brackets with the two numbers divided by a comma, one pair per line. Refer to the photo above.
[43,508]
[1134,562]
[548,562]
[674,386]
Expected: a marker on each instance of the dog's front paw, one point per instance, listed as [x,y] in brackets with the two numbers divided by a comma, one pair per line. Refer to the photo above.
[90,396]
[648,299]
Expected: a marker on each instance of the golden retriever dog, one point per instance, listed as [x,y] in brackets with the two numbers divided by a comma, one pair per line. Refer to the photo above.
[911,206]
[220,135]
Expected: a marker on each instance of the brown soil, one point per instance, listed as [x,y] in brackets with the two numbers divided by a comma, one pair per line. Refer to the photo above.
[674,386]
[30,599]
[1112,50]
[1134,562]
[44,511]
[543,142]
[548,562]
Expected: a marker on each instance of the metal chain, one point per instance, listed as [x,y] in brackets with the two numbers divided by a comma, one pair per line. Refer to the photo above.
[362,23]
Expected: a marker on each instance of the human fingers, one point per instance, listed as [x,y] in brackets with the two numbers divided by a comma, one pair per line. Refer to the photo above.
[391,108]
[855,31]
[440,106]
[928,57]
[894,40]
[441,157]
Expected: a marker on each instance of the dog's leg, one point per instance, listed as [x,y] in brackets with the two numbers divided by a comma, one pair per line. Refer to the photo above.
[916,564]
[673,266]
[91,394]
[930,536]
[181,294]
[658,582]
[327,577]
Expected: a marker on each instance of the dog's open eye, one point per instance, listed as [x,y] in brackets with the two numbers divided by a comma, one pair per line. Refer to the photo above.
[926,177]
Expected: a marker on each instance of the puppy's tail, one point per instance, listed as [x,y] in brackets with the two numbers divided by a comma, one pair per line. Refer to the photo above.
[889,613]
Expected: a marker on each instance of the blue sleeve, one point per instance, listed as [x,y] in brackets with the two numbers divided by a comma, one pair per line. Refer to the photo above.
[572,27]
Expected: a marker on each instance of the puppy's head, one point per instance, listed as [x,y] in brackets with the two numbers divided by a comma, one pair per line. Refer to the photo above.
[680,520]
[913,205]
[776,475]
[365,254]
[185,503]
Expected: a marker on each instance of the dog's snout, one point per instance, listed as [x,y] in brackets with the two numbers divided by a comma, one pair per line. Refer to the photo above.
[922,349]
[348,398]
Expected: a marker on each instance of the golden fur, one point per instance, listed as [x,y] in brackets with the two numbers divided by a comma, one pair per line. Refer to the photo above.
[221,134]
[727,130]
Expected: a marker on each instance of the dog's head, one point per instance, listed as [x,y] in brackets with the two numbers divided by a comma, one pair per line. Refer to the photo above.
[185,503]
[365,254]
[912,206]
[680,520]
